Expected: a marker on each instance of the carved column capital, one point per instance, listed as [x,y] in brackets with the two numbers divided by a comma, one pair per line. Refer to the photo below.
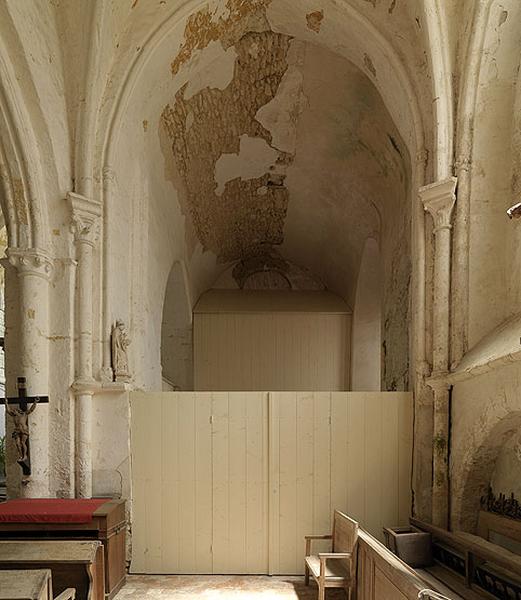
[85,218]
[438,199]
[29,261]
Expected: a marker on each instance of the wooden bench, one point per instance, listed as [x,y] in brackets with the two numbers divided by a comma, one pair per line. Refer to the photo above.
[77,565]
[30,585]
[335,569]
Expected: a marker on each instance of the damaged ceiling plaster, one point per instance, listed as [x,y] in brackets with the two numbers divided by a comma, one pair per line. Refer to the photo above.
[277,143]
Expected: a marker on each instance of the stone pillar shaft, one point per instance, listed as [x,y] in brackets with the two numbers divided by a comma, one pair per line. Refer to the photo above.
[34,268]
[85,221]
[439,199]
[84,248]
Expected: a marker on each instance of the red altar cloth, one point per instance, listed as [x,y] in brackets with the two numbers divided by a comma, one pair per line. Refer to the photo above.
[49,510]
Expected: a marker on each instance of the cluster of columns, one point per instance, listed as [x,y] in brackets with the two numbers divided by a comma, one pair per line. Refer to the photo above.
[33,270]
[438,200]
[86,215]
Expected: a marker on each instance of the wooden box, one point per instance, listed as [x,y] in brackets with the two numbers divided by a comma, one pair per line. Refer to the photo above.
[108,525]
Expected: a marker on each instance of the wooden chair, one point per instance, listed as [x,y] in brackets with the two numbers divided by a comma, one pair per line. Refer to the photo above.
[335,569]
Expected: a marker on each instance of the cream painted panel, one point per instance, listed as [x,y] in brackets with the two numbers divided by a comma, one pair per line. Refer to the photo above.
[240,506]
[230,482]
[200,488]
[271,351]
[350,451]
[172,496]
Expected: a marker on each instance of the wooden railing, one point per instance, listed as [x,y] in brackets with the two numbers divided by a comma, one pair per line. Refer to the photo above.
[479,565]
[383,576]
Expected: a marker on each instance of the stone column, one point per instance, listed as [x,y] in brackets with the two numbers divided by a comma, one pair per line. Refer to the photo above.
[85,222]
[439,199]
[34,268]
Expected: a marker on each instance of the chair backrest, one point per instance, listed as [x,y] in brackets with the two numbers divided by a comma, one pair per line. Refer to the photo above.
[345,532]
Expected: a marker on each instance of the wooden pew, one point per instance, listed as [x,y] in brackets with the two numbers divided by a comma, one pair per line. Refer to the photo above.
[73,564]
[33,584]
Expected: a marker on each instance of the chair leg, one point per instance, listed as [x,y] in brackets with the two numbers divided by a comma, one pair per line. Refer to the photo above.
[321,592]
[306,575]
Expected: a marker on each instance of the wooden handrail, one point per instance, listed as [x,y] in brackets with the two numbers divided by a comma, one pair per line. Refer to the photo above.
[466,542]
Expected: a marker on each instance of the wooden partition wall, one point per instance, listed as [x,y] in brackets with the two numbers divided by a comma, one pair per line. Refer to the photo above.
[230,482]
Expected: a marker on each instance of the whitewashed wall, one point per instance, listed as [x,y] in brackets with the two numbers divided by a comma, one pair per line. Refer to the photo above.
[271,340]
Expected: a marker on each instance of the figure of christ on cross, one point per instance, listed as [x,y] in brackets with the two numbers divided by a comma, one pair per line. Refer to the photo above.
[20,417]
[21,428]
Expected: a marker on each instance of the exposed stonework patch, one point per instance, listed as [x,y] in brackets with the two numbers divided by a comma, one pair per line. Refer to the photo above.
[270,270]
[369,64]
[240,221]
[314,20]
[201,28]
[392,7]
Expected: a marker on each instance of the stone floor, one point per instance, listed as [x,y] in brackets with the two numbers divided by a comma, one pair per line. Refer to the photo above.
[235,587]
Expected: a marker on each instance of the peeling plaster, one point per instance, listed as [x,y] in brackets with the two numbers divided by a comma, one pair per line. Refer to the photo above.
[280,116]
[255,158]
[218,73]
[314,20]
[220,119]
[201,28]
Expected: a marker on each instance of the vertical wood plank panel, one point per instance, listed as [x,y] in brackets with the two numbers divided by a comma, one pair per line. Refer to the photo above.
[186,487]
[170,484]
[339,451]
[287,478]
[153,482]
[356,457]
[405,441]
[373,462]
[322,509]
[389,513]
[237,482]
[203,482]
[305,475]
[274,484]
[270,351]
[256,483]
[221,478]
[138,445]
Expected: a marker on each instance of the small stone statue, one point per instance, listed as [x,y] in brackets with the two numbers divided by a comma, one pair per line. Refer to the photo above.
[21,428]
[119,344]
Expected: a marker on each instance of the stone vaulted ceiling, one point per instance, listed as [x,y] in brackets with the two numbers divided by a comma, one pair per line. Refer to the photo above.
[274,142]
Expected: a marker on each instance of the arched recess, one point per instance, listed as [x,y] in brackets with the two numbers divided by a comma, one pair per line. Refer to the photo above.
[362,43]
[479,470]
[366,354]
[176,332]
[493,294]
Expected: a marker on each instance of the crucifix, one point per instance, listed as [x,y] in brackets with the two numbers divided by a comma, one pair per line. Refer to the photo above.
[20,416]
